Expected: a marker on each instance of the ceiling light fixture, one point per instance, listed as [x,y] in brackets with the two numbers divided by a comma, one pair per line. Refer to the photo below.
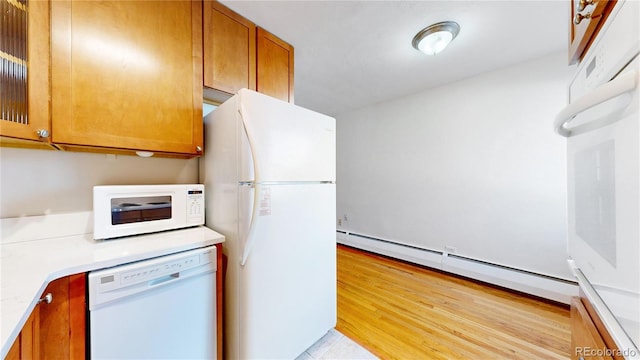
[434,38]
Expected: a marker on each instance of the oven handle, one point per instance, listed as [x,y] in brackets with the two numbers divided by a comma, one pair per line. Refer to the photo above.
[622,84]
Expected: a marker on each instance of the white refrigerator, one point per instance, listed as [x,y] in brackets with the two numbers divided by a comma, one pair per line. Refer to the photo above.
[269,174]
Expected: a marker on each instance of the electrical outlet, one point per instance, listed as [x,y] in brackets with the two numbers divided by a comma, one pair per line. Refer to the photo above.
[345,217]
[339,222]
[450,249]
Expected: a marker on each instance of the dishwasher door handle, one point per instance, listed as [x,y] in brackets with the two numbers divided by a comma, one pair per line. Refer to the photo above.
[164,279]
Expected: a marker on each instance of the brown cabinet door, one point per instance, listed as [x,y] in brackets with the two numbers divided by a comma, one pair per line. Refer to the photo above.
[589,21]
[24,74]
[274,66]
[127,75]
[55,330]
[54,321]
[229,49]
[63,321]
[77,316]
[221,262]
[27,345]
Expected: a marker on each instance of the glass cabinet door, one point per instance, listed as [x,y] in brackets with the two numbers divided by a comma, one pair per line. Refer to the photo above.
[13,47]
[24,70]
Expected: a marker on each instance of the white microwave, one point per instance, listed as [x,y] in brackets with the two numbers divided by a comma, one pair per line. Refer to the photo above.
[123,210]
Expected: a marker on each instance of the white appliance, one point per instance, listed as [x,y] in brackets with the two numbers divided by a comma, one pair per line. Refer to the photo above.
[269,171]
[162,308]
[603,156]
[121,210]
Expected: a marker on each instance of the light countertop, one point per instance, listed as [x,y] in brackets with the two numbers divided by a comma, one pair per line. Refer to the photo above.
[29,264]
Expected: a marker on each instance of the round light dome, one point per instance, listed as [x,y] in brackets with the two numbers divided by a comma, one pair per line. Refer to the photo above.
[436,37]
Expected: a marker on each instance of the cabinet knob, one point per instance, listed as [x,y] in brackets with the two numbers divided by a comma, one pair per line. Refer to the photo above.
[199,149]
[46,299]
[582,4]
[579,17]
[43,133]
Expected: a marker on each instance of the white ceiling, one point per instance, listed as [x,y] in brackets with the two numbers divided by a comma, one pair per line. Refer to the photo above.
[350,54]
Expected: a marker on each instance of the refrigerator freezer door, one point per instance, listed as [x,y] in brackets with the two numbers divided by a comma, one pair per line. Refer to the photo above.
[287,287]
[287,142]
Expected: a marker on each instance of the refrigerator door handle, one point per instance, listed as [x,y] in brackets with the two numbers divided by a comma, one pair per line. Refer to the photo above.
[250,239]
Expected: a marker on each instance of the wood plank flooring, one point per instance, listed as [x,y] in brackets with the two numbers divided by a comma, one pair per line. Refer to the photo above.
[401,311]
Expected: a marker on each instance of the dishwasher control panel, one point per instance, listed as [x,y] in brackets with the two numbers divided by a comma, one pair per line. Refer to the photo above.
[152,272]
[110,283]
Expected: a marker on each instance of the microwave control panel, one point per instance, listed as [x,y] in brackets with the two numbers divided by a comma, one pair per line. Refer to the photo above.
[195,206]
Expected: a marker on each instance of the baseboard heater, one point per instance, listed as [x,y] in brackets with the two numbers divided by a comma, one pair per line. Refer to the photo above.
[544,286]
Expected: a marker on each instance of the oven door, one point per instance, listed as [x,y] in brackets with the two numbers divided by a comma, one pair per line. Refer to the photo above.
[603,158]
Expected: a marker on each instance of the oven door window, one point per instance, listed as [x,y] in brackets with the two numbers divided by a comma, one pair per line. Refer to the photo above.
[595,207]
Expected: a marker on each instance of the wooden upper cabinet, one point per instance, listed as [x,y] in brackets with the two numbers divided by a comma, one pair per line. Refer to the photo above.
[229,49]
[127,75]
[587,17]
[238,54]
[274,66]
[24,74]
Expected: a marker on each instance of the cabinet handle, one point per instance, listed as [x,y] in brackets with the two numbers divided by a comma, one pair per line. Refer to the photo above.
[579,17]
[48,299]
[582,4]
[43,133]
[199,149]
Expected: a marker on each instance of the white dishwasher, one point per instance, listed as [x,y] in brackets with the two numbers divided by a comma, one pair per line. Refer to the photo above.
[161,308]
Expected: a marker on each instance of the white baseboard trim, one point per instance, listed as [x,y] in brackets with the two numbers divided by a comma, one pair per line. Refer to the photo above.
[546,287]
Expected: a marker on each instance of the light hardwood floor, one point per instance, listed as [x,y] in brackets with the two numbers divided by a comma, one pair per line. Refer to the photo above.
[401,311]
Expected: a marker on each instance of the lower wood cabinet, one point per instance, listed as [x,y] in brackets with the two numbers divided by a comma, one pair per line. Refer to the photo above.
[27,345]
[221,271]
[55,330]
[589,339]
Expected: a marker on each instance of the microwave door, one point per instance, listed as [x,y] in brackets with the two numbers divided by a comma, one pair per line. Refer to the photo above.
[124,210]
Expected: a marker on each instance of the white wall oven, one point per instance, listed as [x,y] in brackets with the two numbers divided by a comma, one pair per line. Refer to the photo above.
[138,209]
[603,156]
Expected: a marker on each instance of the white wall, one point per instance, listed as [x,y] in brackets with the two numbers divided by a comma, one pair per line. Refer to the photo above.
[473,165]
[39,182]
